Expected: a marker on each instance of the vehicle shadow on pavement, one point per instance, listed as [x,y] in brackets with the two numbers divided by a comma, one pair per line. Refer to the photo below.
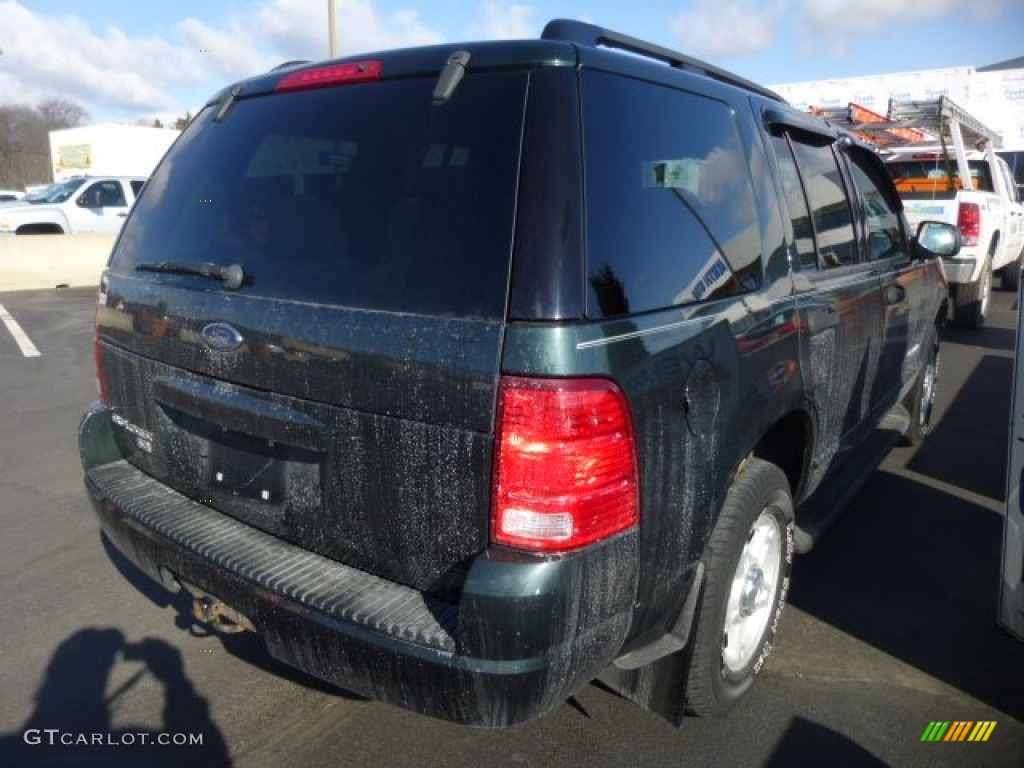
[803,738]
[914,572]
[997,339]
[245,646]
[913,568]
[75,722]
[968,446]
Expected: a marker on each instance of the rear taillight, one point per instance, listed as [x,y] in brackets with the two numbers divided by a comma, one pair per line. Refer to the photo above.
[335,74]
[97,354]
[565,466]
[968,221]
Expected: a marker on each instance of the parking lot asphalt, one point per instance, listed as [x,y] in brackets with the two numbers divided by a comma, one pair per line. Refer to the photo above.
[891,624]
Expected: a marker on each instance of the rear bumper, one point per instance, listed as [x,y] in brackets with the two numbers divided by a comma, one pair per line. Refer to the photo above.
[962,269]
[522,637]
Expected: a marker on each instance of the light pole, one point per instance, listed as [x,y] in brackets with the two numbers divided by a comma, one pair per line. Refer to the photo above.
[332,33]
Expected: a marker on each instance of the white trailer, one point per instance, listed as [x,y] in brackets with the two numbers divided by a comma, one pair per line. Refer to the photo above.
[108,150]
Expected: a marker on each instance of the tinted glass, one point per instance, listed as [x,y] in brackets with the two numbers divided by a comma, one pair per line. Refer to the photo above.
[830,210]
[59,192]
[803,232]
[103,194]
[936,178]
[670,207]
[885,237]
[1015,160]
[368,196]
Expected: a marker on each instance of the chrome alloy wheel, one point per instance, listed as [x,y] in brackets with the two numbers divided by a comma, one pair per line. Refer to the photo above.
[931,375]
[986,288]
[752,595]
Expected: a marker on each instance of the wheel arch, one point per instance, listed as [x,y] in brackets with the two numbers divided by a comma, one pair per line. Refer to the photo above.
[48,228]
[786,444]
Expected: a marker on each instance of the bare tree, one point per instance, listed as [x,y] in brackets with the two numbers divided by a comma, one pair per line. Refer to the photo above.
[60,113]
[25,139]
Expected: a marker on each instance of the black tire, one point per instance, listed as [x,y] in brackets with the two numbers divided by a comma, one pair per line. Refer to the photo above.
[755,529]
[921,399]
[39,229]
[970,300]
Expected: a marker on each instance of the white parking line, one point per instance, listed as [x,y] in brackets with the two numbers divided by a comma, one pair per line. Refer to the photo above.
[28,349]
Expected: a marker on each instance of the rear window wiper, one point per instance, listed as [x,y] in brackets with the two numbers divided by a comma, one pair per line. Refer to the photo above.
[232,275]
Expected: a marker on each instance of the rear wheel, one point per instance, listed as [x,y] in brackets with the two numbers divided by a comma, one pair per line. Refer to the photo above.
[922,399]
[747,562]
[39,229]
[970,300]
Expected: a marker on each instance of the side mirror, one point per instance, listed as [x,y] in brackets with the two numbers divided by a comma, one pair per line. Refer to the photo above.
[936,239]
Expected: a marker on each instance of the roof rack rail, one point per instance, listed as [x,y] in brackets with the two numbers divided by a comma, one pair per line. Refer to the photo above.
[593,36]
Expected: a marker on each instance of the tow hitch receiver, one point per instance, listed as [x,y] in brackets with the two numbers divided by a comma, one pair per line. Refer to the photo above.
[215,612]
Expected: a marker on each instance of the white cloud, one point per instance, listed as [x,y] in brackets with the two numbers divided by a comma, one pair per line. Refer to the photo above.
[223,54]
[299,30]
[833,23]
[62,56]
[120,77]
[502,20]
[728,27]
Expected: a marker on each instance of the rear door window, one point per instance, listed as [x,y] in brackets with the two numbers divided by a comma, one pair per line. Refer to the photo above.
[803,230]
[367,196]
[884,231]
[670,205]
[826,196]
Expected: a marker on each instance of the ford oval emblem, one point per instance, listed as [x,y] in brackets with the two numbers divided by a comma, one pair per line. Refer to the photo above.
[221,337]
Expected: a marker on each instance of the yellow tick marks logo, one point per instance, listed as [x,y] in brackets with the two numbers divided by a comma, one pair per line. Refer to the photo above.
[958,730]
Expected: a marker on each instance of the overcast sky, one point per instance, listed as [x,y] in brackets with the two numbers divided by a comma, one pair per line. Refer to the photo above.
[125,60]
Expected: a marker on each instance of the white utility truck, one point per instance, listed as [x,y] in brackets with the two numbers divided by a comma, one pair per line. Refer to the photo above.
[957,177]
[945,165]
[73,206]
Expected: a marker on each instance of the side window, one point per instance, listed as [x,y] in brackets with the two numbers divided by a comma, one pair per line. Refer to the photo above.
[103,194]
[90,197]
[885,236]
[803,232]
[1003,171]
[830,209]
[137,187]
[671,217]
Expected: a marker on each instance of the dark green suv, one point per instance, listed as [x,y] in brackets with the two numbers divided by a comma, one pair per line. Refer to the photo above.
[468,374]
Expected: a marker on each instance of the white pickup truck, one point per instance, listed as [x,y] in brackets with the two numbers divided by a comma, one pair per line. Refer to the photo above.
[961,180]
[76,205]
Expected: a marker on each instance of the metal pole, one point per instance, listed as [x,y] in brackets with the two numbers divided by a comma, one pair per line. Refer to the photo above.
[332,30]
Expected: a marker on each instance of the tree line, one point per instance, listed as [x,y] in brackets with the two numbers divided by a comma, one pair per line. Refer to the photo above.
[25,138]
